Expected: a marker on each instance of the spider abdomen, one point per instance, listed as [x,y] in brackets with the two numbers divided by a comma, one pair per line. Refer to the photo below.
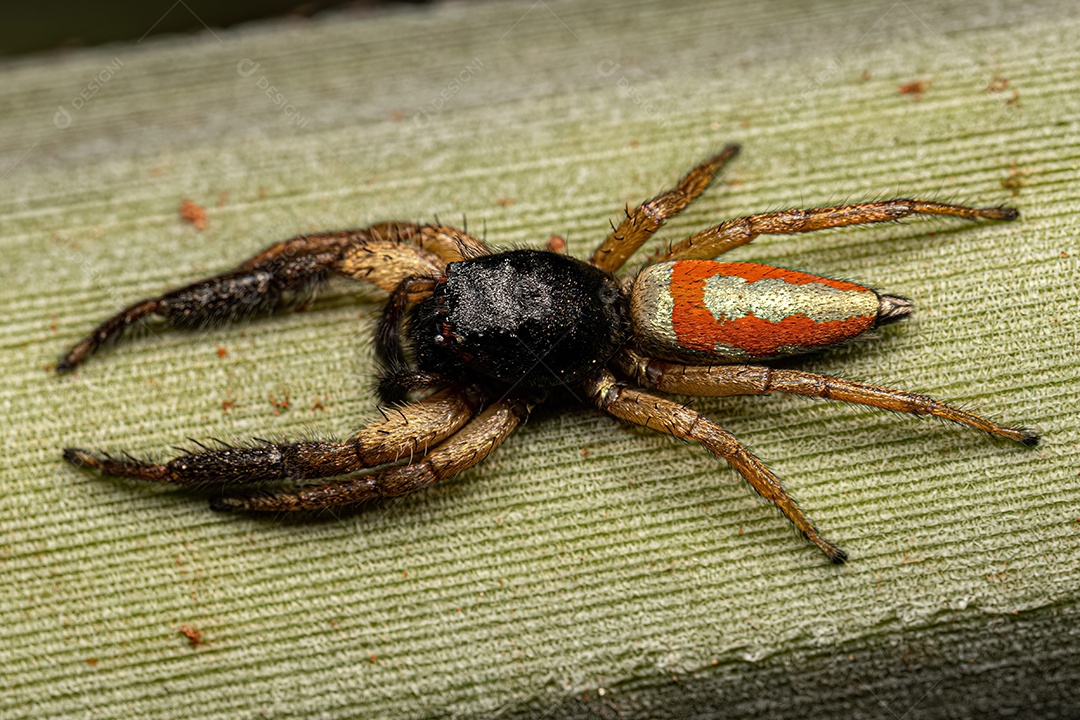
[705,311]
[526,317]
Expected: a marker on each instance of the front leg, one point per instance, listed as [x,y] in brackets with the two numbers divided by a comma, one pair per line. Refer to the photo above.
[465,448]
[404,432]
[255,287]
[229,297]
[382,254]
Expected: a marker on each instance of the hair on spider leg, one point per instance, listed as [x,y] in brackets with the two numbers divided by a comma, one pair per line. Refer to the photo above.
[110,465]
[395,384]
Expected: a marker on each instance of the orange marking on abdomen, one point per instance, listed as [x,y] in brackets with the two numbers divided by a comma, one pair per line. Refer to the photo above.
[696,328]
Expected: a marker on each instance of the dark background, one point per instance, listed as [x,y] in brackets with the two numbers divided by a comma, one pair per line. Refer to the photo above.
[32,27]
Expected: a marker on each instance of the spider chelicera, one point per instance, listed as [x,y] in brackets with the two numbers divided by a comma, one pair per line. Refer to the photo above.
[471,339]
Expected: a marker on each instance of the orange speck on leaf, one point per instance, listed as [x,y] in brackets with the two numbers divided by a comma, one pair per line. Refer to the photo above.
[193,635]
[281,404]
[193,213]
[915,89]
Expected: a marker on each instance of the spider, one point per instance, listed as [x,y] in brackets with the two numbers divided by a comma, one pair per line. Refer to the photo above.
[471,339]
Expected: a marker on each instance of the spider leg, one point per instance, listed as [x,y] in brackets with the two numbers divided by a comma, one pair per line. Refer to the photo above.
[383,254]
[394,252]
[397,378]
[388,347]
[403,432]
[739,231]
[648,217]
[464,449]
[671,418]
[255,287]
[723,380]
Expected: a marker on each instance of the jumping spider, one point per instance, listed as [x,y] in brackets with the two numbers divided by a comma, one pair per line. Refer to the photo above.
[489,334]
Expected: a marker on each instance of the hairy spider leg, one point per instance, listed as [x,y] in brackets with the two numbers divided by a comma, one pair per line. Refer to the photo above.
[396,377]
[731,234]
[387,335]
[468,446]
[383,254]
[726,380]
[648,217]
[232,296]
[404,433]
[671,418]
[398,251]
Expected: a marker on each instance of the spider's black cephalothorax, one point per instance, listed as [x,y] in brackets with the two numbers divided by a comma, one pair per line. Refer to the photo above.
[527,318]
[483,335]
